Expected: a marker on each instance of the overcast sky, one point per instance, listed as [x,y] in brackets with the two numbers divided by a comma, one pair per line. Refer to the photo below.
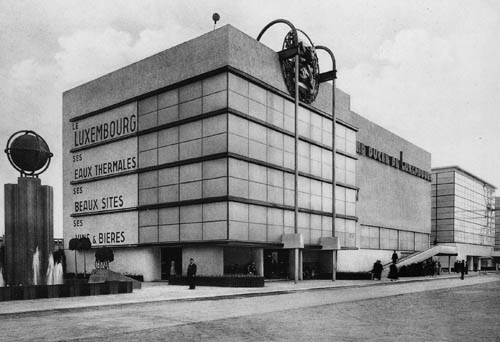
[428,71]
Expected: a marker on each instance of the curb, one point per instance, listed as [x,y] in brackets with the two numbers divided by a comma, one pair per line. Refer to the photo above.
[218,297]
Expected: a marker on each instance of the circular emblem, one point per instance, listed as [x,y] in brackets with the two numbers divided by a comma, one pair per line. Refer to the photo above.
[308,69]
[28,153]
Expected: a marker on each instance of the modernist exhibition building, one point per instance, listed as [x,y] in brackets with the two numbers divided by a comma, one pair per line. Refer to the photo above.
[192,153]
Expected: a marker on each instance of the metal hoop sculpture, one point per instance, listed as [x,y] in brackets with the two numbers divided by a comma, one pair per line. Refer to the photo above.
[28,153]
[282,21]
[308,69]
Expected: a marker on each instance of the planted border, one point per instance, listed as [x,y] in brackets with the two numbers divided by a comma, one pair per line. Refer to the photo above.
[221,281]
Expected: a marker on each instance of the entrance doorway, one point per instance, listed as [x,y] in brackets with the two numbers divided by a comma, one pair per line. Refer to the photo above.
[276,263]
[171,259]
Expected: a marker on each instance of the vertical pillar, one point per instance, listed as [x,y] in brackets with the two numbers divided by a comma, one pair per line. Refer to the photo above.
[334,265]
[296,174]
[293,263]
[301,264]
[28,226]
[258,258]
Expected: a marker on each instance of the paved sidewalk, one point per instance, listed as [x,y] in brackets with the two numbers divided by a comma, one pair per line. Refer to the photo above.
[161,291]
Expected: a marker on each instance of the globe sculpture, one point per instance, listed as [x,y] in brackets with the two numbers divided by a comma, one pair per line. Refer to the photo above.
[28,153]
[29,235]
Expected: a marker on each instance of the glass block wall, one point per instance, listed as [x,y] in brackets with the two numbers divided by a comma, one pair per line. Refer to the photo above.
[216,161]
[462,209]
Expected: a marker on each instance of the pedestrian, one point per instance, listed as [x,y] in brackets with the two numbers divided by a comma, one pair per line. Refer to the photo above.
[172,272]
[439,268]
[462,270]
[394,257]
[455,267]
[191,273]
[466,268]
[377,270]
[393,272]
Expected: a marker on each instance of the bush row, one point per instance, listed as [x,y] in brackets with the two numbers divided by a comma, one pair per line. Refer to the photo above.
[222,281]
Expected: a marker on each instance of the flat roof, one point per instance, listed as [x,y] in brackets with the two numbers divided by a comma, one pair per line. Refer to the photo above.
[458,168]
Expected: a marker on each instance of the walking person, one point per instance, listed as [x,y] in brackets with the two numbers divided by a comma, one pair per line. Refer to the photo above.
[191,274]
[462,270]
[393,272]
[394,257]
[377,270]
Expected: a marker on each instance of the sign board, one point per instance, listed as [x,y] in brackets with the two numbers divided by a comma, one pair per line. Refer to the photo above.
[105,160]
[105,195]
[113,124]
[109,229]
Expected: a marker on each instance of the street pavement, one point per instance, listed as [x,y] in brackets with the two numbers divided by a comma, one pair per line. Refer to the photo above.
[310,310]
[161,291]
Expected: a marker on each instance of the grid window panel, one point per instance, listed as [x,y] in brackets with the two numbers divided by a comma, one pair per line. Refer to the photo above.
[190,91]
[238,211]
[257,214]
[168,176]
[238,168]
[168,215]
[168,99]
[168,136]
[214,125]
[214,144]
[168,154]
[238,187]
[168,115]
[190,191]
[190,109]
[190,172]
[215,168]
[215,187]
[214,84]
[169,193]
[190,149]
[215,211]
[190,131]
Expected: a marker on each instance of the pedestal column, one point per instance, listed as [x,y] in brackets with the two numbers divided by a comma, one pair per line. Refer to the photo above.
[28,226]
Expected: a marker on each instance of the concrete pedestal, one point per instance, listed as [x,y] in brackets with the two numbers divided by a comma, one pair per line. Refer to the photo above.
[28,225]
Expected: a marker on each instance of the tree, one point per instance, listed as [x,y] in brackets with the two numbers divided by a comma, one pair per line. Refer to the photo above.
[84,244]
[103,256]
[73,246]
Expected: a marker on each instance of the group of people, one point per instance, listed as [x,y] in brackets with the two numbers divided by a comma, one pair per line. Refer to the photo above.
[393,269]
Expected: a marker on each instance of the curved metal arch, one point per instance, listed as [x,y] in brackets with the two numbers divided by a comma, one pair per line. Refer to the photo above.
[280,21]
[334,63]
[309,39]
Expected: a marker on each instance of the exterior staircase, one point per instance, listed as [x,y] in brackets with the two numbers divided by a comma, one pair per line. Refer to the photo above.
[421,256]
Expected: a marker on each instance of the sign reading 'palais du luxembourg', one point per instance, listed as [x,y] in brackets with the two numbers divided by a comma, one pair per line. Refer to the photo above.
[387,159]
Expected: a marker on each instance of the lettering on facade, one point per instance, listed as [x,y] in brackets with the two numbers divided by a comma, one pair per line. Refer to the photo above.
[105,168]
[392,161]
[104,131]
[96,204]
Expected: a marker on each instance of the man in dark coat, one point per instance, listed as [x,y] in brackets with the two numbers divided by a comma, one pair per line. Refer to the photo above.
[377,270]
[191,274]
[462,269]
[393,272]
[395,257]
